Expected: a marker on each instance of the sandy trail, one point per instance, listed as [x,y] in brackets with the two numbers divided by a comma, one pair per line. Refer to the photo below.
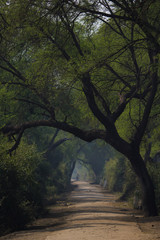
[90,214]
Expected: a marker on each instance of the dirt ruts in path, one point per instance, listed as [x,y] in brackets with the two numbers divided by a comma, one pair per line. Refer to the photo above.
[90,213]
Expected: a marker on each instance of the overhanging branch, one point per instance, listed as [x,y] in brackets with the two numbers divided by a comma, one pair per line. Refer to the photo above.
[86,135]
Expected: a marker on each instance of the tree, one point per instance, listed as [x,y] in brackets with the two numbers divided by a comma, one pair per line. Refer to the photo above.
[82,85]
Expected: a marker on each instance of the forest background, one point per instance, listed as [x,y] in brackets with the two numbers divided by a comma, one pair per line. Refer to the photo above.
[73,70]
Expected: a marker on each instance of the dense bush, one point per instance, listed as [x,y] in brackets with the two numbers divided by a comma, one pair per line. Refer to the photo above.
[60,161]
[29,180]
[131,184]
[114,173]
[21,194]
[154,170]
[121,178]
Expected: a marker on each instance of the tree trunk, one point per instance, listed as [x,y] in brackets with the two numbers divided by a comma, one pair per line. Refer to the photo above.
[131,151]
[149,204]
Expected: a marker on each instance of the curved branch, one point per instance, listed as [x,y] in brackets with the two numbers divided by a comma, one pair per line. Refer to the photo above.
[86,135]
[89,93]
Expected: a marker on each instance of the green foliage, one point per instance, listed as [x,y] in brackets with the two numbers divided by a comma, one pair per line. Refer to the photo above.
[60,160]
[21,194]
[29,179]
[114,172]
[47,50]
[121,178]
[7,105]
[131,184]
[58,166]
[154,170]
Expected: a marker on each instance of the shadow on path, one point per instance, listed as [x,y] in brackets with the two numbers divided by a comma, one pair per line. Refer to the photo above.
[86,205]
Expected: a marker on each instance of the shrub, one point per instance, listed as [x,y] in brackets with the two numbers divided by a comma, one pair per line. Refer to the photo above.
[154,171]
[20,192]
[114,172]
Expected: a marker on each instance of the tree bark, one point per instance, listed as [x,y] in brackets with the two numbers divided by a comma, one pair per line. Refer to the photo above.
[149,203]
[131,151]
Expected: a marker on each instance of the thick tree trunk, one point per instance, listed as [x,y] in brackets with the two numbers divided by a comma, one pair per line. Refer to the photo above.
[131,151]
[149,204]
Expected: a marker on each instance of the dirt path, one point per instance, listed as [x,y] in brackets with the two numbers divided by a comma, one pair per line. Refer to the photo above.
[90,214]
